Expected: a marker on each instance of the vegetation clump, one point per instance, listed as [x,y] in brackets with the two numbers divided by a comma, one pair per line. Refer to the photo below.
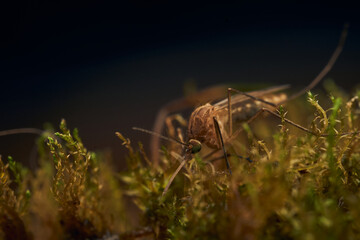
[297,185]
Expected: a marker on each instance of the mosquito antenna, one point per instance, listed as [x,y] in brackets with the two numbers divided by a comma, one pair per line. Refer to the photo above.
[217,127]
[327,67]
[160,136]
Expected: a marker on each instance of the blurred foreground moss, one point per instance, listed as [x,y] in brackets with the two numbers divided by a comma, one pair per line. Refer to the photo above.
[298,186]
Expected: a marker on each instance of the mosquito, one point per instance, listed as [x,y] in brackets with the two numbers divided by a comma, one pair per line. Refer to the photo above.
[212,124]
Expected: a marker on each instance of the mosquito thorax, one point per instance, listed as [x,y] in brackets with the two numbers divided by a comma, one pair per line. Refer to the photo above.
[195,146]
[201,125]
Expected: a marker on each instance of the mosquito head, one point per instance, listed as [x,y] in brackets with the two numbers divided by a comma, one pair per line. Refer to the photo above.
[194,146]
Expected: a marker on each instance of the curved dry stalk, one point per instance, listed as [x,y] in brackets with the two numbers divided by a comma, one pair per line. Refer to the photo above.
[173,176]
[21,130]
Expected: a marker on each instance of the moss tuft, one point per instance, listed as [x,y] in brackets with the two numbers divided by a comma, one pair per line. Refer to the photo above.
[289,185]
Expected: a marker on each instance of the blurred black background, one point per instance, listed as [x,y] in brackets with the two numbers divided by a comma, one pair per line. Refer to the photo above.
[106,67]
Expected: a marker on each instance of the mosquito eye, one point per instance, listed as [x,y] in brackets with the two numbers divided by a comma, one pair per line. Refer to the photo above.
[196,145]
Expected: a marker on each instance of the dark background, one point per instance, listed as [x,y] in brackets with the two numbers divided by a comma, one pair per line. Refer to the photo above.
[106,67]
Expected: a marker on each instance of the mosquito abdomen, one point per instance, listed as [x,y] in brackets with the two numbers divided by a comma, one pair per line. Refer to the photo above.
[245,110]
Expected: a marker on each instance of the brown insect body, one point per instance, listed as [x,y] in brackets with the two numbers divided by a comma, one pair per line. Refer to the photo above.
[201,124]
[206,123]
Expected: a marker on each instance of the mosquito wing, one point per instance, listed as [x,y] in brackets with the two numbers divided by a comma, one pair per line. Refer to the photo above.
[239,99]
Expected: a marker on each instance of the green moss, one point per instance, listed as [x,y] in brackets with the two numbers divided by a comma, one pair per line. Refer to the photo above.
[296,186]
[13,203]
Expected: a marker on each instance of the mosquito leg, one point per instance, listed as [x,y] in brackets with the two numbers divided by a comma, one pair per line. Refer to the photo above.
[170,126]
[217,127]
[218,158]
[229,155]
[304,128]
[249,96]
[253,117]
[180,134]
[327,67]
[276,115]
[273,113]
[289,121]
[229,111]
[232,136]
[237,132]
[252,97]
[210,154]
